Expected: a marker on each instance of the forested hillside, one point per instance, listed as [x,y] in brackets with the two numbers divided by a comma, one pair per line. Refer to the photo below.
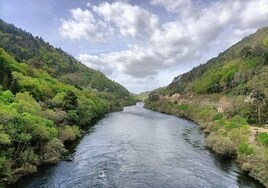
[46,97]
[39,54]
[228,98]
[239,70]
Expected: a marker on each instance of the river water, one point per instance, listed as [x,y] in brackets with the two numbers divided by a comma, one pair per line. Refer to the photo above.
[141,148]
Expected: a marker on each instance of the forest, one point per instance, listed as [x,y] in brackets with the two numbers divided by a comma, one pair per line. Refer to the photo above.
[46,98]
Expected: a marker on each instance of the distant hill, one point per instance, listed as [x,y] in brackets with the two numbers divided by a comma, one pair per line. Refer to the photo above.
[39,54]
[228,98]
[239,70]
[143,95]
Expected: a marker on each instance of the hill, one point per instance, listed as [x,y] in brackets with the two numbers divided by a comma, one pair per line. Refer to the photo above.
[37,53]
[46,99]
[239,70]
[224,96]
[143,95]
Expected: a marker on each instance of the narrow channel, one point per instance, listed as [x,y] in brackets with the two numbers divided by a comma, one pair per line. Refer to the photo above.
[141,148]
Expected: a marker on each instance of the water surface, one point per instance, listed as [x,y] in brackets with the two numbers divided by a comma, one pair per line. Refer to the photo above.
[142,148]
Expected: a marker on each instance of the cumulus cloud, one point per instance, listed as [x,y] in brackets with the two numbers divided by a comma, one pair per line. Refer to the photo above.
[84,25]
[130,20]
[155,45]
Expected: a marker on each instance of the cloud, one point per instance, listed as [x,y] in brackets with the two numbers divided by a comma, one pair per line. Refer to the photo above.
[194,33]
[84,25]
[174,6]
[130,20]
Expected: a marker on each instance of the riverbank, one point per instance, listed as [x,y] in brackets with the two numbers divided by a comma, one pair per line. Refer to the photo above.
[229,136]
[47,136]
[137,147]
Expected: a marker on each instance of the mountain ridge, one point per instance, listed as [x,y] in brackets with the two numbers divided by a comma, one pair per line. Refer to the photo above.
[40,54]
[228,98]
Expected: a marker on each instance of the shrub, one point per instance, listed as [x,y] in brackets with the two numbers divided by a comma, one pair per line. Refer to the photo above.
[28,156]
[222,145]
[69,133]
[183,106]
[218,116]
[52,151]
[245,148]
[246,167]
[263,138]
[72,117]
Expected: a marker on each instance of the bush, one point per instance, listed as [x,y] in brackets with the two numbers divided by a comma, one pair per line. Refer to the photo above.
[72,117]
[263,138]
[222,145]
[52,151]
[28,156]
[183,106]
[246,167]
[245,148]
[218,116]
[69,133]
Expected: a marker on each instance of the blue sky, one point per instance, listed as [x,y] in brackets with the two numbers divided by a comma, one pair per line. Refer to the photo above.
[140,44]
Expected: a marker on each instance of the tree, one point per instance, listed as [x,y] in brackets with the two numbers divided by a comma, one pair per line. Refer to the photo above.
[70,101]
[153,96]
[259,101]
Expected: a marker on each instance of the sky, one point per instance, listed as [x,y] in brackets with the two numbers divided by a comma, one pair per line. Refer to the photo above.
[142,44]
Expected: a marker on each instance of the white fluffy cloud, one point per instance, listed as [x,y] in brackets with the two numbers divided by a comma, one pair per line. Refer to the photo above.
[155,45]
[84,25]
[130,20]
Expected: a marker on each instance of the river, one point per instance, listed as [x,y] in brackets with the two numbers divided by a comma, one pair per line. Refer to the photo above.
[141,148]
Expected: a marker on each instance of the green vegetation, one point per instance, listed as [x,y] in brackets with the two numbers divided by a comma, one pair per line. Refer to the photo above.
[37,53]
[224,96]
[46,97]
[142,96]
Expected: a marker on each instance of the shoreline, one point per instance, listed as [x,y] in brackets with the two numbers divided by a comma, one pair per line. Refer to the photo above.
[239,160]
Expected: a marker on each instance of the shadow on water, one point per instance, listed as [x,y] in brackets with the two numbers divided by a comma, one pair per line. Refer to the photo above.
[87,129]
[227,165]
[47,169]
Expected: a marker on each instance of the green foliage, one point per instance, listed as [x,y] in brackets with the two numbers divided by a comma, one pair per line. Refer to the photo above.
[29,156]
[142,96]
[263,138]
[46,96]
[70,101]
[72,117]
[240,74]
[235,122]
[52,151]
[37,53]
[221,144]
[6,97]
[68,133]
[218,116]
[4,139]
[245,149]
[26,103]
[183,107]
[153,96]
[39,127]
[265,42]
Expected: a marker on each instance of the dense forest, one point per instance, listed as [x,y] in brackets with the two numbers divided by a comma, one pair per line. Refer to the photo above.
[46,98]
[228,98]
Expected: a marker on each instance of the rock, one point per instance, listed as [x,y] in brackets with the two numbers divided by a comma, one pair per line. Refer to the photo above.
[69,158]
